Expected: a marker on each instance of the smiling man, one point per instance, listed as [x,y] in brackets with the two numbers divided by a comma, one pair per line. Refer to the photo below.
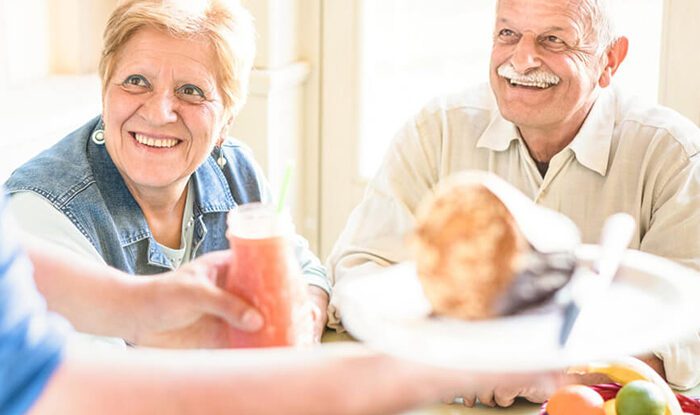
[552,124]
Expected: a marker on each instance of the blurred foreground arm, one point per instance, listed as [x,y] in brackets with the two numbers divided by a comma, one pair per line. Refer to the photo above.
[183,308]
[337,379]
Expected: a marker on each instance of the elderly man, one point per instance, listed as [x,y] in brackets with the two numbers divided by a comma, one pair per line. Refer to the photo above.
[552,126]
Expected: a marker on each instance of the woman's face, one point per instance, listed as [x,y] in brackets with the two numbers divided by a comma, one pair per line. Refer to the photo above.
[162,109]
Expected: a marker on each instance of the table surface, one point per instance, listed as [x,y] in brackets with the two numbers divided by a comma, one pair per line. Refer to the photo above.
[519,408]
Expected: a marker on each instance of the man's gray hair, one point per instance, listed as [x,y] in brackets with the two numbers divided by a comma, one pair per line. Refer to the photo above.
[602,21]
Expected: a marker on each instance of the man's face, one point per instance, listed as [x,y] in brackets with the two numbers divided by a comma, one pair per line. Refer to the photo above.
[545,63]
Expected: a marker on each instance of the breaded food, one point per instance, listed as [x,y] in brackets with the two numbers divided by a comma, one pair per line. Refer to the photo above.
[468,250]
[472,257]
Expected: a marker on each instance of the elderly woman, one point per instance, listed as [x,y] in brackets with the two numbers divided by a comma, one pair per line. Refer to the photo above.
[147,185]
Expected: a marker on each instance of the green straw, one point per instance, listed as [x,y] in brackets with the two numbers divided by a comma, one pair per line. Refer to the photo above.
[284,189]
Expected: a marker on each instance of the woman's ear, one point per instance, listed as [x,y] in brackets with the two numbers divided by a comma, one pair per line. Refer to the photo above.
[615,55]
[225,130]
[228,125]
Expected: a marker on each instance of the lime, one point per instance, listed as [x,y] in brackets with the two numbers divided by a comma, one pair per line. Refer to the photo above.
[640,398]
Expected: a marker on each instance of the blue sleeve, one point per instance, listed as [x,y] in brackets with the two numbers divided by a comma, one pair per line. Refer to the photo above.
[31,339]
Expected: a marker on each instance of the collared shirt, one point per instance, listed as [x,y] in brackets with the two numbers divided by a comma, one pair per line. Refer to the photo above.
[31,339]
[627,157]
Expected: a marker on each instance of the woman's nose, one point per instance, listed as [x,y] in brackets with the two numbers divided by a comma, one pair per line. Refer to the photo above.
[159,108]
[526,56]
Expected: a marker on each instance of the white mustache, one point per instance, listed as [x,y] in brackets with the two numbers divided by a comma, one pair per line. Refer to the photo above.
[538,77]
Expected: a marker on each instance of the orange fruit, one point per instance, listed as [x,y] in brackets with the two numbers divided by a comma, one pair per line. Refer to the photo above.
[575,399]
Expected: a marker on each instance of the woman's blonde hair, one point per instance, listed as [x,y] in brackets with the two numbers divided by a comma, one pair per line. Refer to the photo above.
[226,24]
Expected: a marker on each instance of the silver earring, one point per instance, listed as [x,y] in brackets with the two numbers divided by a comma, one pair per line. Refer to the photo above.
[221,161]
[98,136]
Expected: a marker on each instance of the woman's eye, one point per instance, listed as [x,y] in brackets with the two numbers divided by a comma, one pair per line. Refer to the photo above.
[136,80]
[190,90]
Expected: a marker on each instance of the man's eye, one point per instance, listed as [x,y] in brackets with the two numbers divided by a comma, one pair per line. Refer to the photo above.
[553,39]
[504,33]
[507,36]
[136,80]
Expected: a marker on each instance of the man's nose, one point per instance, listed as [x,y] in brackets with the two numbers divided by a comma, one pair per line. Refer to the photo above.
[526,55]
[159,108]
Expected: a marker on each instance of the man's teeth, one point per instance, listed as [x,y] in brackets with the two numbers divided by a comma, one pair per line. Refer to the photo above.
[155,142]
[542,85]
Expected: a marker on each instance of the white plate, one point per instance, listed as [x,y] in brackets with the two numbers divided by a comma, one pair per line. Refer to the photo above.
[652,301]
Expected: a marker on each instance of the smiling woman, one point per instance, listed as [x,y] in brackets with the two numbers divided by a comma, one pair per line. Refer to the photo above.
[146,186]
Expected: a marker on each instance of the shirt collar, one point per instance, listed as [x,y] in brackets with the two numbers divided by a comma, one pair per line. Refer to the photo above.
[498,134]
[212,192]
[591,145]
[126,214]
[592,142]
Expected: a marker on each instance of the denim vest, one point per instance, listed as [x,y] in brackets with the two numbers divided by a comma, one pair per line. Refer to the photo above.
[79,179]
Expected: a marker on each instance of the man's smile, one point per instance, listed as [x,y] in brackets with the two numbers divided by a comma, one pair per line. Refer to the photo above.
[536,79]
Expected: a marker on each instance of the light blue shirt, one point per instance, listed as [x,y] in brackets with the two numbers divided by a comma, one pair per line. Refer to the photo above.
[31,339]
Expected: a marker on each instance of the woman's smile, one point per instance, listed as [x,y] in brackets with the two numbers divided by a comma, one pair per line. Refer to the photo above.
[156,142]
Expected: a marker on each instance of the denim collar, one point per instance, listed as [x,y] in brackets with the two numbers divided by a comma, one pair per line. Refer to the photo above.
[127,214]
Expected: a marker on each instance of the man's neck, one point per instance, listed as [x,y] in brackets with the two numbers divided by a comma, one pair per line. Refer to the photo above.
[545,144]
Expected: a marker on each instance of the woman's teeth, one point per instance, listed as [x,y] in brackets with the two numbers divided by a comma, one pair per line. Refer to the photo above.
[155,142]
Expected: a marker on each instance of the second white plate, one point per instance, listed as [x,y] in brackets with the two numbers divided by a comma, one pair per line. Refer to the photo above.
[652,301]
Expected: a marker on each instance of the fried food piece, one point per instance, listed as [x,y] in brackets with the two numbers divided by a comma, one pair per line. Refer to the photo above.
[468,250]
[475,262]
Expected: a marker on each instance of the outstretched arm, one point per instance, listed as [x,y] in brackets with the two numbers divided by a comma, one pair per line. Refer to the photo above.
[340,379]
[183,308]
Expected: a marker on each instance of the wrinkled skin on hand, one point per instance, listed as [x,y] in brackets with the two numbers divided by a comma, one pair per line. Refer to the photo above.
[187,308]
[319,300]
[503,390]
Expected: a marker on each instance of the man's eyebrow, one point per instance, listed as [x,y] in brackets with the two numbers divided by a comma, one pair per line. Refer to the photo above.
[548,29]
[555,29]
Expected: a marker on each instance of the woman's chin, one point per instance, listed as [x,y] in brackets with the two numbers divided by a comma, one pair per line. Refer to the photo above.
[154,180]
